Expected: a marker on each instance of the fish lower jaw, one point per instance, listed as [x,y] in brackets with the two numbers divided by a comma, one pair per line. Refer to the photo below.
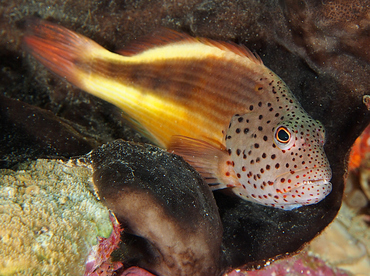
[295,186]
[316,181]
[322,185]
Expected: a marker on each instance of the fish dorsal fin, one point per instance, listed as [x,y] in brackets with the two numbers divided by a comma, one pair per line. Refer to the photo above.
[237,49]
[161,37]
[210,161]
[166,36]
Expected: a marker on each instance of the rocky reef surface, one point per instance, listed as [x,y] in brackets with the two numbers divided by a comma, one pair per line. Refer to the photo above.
[49,220]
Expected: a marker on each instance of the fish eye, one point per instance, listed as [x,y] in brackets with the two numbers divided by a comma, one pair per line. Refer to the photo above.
[282,135]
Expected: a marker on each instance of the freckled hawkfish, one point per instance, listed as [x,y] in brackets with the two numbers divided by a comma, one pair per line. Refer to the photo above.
[213,103]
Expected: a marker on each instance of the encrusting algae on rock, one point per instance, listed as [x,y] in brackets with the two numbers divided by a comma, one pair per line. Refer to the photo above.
[213,103]
[50,223]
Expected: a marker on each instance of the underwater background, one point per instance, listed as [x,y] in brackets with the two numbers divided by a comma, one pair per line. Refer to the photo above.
[319,48]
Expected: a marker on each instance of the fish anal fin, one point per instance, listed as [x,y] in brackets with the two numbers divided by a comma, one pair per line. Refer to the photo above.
[212,162]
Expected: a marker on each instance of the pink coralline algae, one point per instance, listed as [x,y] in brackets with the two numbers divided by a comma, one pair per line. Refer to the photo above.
[98,262]
[136,271]
[301,264]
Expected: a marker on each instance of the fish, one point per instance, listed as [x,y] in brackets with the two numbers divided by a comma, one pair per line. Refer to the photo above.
[214,103]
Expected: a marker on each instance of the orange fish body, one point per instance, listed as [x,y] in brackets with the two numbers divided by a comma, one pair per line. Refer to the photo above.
[214,103]
[105,75]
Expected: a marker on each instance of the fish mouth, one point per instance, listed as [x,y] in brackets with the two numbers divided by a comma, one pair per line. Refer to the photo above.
[315,182]
[318,182]
[303,182]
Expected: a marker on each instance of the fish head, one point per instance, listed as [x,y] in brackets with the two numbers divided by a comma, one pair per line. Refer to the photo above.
[279,161]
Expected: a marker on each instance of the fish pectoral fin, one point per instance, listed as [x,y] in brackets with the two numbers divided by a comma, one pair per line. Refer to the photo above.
[209,160]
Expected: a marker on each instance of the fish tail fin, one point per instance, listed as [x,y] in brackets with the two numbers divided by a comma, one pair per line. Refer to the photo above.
[59,49]
[210,161]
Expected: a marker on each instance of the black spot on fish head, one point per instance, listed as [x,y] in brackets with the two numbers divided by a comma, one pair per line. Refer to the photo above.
[250,147]
[301,140]
[274,151]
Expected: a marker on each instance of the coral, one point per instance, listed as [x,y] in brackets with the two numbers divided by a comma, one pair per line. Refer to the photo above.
[359,170]
[135,271]
[98,262]
[301,264]
[345,243]
[49,220]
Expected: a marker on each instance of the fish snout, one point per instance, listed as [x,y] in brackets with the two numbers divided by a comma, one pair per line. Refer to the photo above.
[305,186]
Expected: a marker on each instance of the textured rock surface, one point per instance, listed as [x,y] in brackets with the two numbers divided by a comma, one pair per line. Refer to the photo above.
[343,248]
[346,242]
[302,264]
[49,220]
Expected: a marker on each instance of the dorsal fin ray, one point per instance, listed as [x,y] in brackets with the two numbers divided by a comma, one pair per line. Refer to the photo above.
[161,37]
[166,36]
[237,49]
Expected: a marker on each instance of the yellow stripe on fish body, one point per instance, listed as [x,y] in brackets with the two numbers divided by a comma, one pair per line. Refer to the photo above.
[147,108]
[213,103]
[150,107]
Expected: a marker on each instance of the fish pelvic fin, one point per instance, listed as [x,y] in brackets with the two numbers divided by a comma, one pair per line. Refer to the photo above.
[64,52]
[212,162]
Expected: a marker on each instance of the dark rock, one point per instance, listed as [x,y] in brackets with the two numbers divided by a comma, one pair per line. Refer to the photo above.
[159,197]
[254,233]
[29,132]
